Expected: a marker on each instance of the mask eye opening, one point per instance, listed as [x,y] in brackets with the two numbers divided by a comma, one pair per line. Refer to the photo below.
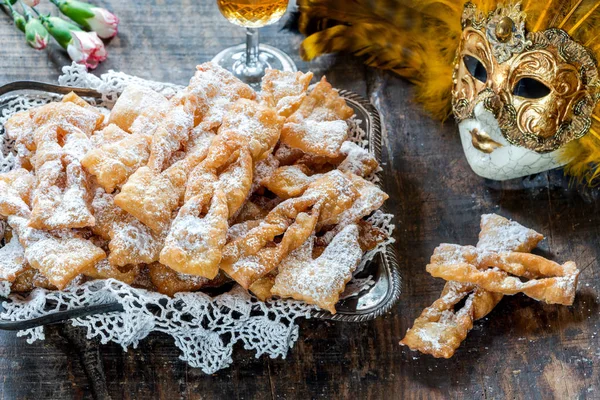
[475,68]
[531,88]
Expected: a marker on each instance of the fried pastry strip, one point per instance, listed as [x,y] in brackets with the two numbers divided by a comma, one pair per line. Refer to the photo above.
[139,110]
[441,340]
[15,192]
[131,242]
[19,127]
[490,271]
[216,88]
[60,259]
[174,130]
[152,197]
[319,125]
[193,245]
[320,281]
[115,160]
[440,330]
[283,90]
[12,259]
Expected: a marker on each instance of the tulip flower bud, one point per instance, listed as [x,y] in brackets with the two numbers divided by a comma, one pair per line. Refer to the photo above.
[91,18]
[35,34]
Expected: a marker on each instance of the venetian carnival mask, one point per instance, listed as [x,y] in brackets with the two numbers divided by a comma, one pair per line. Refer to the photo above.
[519,97]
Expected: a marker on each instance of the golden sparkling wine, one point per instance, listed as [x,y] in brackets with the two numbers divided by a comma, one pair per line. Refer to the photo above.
[252,13]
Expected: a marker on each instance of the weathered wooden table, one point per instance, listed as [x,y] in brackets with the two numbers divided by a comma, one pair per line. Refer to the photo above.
[523,349]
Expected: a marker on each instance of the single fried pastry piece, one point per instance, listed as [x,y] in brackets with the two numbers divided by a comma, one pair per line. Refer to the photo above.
[358,161]
[284,90]
[15,192]
[253,125]
[288,181]
[62,193]
[197,235]
[216,87]
[60,259]
[29,279]
[19,127]
[262,170]
[138,102]
[370,198]
[320,281]
[131,242]
[548,281]
[500,234]
[170,282]
[233,176]
[115,160]
[261,288]
[236,180]
[319,125]
[103,269]
[86,119]
[254,262]
[173,131]
[440,329]
[339,194]
[61,198]
[12,259]
[152,197]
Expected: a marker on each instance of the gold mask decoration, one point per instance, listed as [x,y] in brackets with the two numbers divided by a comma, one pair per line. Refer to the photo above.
[541,87]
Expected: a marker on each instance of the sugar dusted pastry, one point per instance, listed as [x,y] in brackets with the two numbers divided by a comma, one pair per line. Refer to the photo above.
[12,259]
[320,281]
[318,126]
[130,241]
[500,271]
[440,329]
[183,193]
[478,277]
[117,156]
[15,192]
[193,245]
[173,130]
[138,102]
[216,88]
[284,91]
[60,259]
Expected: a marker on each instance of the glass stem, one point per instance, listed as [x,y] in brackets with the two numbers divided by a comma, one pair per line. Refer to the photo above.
[251,47]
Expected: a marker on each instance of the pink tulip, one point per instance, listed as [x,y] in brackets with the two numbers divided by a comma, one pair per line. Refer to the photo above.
[86,48]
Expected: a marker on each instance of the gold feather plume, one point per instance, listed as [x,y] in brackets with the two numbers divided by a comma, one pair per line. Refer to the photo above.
[417,39]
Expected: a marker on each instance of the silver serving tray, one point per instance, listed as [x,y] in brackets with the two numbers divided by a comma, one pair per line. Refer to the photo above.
[368,304]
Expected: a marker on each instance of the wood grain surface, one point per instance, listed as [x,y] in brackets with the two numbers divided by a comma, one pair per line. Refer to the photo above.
[523,349]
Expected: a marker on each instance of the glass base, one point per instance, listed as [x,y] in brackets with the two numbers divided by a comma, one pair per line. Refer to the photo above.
[234,59]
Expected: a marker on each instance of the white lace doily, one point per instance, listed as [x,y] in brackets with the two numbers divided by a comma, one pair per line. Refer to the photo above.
[204,328]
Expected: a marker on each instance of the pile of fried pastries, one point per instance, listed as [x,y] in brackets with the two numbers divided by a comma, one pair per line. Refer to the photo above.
[478,277]
[216,183]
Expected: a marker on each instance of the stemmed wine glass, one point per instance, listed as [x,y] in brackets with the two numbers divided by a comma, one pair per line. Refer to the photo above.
[248,62]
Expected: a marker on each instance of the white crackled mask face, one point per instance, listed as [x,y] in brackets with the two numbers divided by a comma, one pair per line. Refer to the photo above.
[518,96]
[491,156]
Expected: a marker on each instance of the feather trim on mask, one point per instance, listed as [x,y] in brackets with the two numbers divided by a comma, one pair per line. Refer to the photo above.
[417,39]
